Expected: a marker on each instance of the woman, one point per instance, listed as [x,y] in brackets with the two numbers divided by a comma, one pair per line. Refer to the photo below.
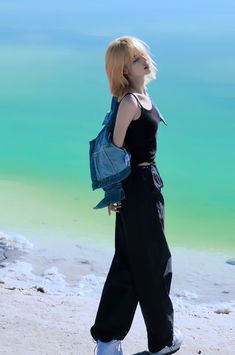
[141,266]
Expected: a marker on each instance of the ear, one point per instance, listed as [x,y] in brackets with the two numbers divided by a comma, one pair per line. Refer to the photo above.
[125,71]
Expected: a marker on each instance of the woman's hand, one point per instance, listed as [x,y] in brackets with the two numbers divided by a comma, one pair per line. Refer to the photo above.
[114,207]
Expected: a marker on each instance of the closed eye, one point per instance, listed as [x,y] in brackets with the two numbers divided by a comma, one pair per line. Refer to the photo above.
[135,60]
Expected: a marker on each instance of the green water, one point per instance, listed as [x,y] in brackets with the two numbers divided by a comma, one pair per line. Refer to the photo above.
[53,97]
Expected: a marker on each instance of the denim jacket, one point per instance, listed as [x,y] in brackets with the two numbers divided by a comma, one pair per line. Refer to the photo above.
[109,164]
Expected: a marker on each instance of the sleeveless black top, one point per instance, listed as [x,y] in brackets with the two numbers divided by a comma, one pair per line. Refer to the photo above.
[140,139]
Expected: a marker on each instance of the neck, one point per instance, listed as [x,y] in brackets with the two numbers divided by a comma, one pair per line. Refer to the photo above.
[138,86]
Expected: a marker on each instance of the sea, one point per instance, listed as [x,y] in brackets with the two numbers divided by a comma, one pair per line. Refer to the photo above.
[54,95]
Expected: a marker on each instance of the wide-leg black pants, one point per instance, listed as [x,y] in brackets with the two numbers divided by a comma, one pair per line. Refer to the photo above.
[141,267]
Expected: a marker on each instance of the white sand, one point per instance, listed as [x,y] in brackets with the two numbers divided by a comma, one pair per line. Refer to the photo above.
[58,321]
[33,323]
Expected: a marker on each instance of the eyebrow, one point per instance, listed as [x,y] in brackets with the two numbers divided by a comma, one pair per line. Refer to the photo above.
[136,55]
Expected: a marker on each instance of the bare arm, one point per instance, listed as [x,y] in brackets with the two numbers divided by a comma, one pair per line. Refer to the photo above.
[127,110]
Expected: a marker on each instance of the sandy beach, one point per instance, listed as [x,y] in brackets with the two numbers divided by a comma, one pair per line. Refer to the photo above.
[49,299]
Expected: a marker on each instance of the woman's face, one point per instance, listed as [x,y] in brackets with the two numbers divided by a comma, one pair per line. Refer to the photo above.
[139,66]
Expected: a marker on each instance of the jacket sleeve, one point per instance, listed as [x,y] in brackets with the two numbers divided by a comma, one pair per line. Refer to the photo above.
[113,193]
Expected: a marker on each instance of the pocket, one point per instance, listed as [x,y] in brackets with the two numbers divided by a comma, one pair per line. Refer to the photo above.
[157,182]
[144,181]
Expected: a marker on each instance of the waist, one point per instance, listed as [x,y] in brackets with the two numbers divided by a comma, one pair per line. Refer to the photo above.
[143,165]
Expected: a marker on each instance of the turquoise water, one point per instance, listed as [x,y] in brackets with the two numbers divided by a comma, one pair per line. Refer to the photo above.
[54,94]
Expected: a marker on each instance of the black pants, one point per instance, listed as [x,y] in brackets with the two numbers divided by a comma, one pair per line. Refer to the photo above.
[141,267]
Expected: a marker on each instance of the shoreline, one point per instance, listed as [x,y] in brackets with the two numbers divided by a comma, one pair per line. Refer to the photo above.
[51,212]
[198,276]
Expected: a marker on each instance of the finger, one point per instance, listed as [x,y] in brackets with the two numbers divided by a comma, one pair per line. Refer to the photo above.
[117,204]
[115,207]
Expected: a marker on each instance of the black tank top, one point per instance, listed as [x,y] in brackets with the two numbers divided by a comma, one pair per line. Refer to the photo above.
[140,139]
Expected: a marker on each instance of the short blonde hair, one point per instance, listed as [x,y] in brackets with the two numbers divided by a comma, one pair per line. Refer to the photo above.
[120,54]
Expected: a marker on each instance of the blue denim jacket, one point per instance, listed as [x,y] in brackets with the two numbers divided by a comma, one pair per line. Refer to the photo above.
[109,164]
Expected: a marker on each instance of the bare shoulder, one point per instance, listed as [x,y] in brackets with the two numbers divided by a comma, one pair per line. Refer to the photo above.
[126,112]
[128,107]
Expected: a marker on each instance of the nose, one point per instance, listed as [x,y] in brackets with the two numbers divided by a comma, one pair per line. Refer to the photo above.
[145,60]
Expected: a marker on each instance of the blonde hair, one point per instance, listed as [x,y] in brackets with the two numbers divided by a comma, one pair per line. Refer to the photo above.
[120,54]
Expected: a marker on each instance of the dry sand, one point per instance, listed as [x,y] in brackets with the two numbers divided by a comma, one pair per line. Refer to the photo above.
[58,321]
[36,323]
